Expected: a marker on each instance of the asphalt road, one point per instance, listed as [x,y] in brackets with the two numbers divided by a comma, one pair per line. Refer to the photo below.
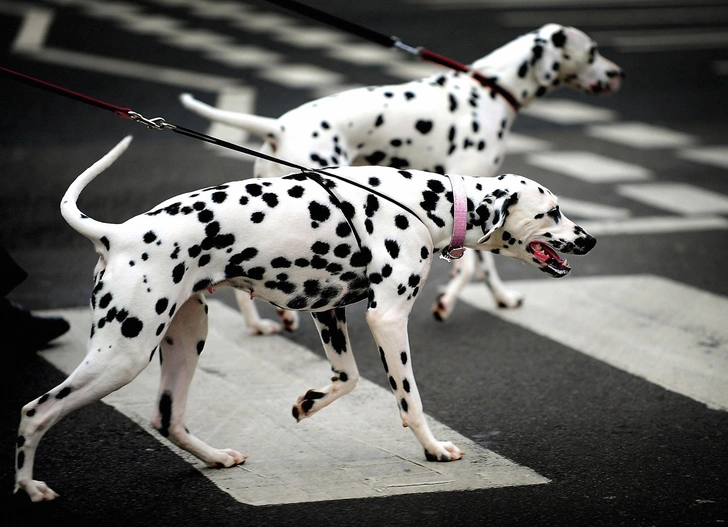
[617,448]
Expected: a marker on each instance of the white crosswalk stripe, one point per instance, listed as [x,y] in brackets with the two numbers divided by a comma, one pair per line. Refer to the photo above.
[588,166]
[681,198]
[710,155]
[641,135]
[673,335]
[564,111]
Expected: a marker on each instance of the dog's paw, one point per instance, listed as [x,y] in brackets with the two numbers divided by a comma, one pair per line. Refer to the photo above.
[226,458]
[289,319]
[445,451]
[265,327]
[441,309]
[508,299]
[304,407]
[37,491]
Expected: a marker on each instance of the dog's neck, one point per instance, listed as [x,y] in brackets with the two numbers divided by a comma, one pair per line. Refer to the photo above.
[440,221]
[505,65]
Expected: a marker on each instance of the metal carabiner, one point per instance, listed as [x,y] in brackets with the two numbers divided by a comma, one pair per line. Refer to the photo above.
[155,123]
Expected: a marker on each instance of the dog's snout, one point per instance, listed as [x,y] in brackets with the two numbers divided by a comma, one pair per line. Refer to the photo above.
[585,243]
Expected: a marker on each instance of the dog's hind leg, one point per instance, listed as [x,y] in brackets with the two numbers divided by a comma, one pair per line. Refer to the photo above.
[179,352]
[108,365]
[332,329]
[503,296]
[256,324]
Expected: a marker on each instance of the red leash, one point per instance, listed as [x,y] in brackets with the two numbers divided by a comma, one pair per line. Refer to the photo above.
[394,42]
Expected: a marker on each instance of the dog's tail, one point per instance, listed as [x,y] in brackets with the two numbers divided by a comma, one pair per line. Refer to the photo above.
[94,230]
[263,127]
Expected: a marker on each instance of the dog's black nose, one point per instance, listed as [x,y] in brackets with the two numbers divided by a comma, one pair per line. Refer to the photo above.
[586,244]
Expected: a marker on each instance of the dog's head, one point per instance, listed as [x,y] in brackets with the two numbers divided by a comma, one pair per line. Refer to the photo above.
[566,55]
[522,219]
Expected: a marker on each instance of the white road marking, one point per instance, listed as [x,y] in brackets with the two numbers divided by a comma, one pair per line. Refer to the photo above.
[588,166]
[301,76]
[681,198]
[663,331]
[641,135]
[241,398]
[564,111]
[520,144]
[653,225]
[585,209]
[710,155]
[237,100]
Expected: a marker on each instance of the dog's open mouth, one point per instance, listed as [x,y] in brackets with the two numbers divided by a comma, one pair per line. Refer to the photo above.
[549,260]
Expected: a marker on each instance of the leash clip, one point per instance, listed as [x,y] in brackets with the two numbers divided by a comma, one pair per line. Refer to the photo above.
[155,123]
[450,253]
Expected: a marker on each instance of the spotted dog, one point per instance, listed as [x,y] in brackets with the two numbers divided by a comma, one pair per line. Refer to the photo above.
[448,122]
[305,242]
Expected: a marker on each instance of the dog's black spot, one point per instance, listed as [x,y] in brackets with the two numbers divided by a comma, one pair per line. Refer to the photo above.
[361,258]
[257,217]
[254,189]
[65,392]
[320,248]
[200,346]
[270,199]
[296,192]
[149,237]
[423,127]
[559,38]
[453,103]
[165,412]
[375,157]
[131,327]
[280,263]
[392,248]
[161,306]
[178,273]
[105,301]
[318,212]
[342,251]
[219,197]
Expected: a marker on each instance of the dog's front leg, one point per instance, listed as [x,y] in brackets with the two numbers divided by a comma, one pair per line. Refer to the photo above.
[332,329]
[390,333]
[179,353]
[503,296]
[462,273]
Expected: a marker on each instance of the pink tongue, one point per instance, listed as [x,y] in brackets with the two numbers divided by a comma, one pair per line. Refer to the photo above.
[544,253]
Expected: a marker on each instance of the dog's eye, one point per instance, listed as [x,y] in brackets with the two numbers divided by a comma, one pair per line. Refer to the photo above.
[555,214]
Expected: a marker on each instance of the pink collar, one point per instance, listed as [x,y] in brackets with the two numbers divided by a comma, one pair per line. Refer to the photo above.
[456,250]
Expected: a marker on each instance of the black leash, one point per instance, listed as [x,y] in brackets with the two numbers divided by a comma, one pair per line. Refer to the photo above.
[394,42]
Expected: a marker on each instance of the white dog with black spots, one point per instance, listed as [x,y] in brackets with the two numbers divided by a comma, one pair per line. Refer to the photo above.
[308,241]
[447,123]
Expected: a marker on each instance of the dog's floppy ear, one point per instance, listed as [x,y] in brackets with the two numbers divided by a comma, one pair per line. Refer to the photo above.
[547,53]
[493,212]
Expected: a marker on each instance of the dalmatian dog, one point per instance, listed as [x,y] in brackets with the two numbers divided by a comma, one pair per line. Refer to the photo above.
[308,241]
[448,122]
